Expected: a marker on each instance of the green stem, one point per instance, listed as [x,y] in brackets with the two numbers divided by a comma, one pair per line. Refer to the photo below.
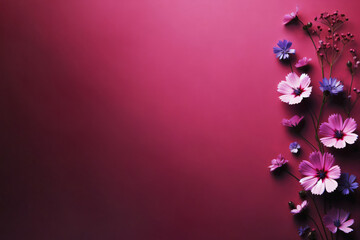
[352,78]
[331,66]
[322,66]
[297,179]
[308,142]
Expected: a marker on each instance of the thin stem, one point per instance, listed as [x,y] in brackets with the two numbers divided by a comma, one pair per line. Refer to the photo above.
[331,66]
[352,78]
[308,142]
[318,212]
[292,175]
[317,226]
[307,31]
[352,106]
[291,66]
[322,67]
[318,122]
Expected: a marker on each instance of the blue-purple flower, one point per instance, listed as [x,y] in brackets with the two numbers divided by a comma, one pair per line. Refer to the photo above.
[303,230]
[283,50]
[331,86]
[294,147]
[347,183]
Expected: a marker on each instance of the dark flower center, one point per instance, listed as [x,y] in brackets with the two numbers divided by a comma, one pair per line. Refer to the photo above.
[338,134]
[298,91]
[321,174]
[337,223]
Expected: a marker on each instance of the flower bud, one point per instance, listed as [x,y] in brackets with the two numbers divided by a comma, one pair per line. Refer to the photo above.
[349,64]
[309,24]
[302,194]
[291,205]
[312,235]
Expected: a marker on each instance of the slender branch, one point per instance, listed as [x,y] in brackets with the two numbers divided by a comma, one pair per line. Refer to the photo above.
[292,175]
[308,142]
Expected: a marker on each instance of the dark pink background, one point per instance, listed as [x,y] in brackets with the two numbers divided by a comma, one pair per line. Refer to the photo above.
[149,119]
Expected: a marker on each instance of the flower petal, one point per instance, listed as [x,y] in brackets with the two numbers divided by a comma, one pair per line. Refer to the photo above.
[349,125]
[334,172]
[308,182]
[335,121]
[319,188]
[330,185]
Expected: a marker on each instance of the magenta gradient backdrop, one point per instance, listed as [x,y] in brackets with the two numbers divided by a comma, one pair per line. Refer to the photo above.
[150,119]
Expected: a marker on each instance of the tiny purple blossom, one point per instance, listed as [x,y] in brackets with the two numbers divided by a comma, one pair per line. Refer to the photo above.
[283,50]
[303,230]
[331,86]
[347,183]
[294,147]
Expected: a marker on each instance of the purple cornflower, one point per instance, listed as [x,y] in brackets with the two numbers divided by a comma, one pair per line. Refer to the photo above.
[331,86]
[294,147]
[347,183]
[303,230]
[283,50]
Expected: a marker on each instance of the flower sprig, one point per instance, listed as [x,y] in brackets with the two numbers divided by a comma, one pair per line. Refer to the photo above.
[320,175]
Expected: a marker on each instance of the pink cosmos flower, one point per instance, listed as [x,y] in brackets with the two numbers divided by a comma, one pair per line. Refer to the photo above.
[337,133]
[319,172]
[277,162]
[290,17]
[337,219]
[299,208]
[295,88]
[292,122]
[303,62]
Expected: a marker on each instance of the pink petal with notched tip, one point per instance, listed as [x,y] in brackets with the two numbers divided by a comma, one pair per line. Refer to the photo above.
[287,98]
[285,88]
[316,160]
[308,182]
[350,138]
[307,169]
[328,161]
[293,80]
[330,185]
[319,188]
[326,129]
[328,141]
[335,121]
[295,100]
[306,92]
[304,80]
[334,172]
[340,143]
[349,125]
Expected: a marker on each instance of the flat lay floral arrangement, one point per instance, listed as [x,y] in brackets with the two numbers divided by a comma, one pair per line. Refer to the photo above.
[326,188]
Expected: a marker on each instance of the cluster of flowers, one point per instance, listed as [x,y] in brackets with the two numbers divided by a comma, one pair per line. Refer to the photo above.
[320,174]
